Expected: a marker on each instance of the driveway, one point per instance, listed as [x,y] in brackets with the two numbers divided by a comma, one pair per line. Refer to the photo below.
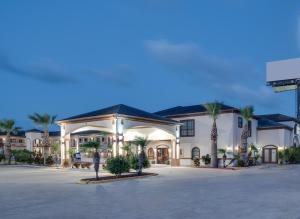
[262,192]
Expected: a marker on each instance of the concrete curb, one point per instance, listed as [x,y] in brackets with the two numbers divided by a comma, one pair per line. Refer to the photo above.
[115,180]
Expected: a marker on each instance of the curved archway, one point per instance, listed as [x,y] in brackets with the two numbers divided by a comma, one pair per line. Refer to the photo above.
[162,154]
[91,128]
[269,154]
[195,153]
[150,154]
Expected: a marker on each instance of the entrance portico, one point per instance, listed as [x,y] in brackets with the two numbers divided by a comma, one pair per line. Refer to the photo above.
[124,124]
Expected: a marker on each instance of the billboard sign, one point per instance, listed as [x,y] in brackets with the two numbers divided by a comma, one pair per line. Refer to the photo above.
[284,72]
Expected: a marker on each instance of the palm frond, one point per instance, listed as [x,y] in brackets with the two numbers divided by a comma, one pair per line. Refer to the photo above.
[141,141]
[247,112]
[213,109]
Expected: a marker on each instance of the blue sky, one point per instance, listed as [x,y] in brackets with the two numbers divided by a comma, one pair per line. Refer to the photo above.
[70,57]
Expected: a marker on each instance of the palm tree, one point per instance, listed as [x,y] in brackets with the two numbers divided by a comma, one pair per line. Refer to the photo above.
[246,113]
[8,126]
[214,110]
[127,148]
[142,142]
[43,121]
[94,145]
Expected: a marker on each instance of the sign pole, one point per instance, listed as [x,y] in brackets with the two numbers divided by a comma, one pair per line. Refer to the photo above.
[298,99]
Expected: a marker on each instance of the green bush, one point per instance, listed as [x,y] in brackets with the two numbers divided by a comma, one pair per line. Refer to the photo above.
[206,159]
[38,158]
[50,161]
[134,162]
[196,162]
[2,157]
[23,156]
[292,155]
[117,165]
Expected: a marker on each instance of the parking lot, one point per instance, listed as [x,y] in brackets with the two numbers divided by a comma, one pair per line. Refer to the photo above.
[260,192]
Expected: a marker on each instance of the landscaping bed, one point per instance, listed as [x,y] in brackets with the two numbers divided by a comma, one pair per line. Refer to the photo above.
[106,179]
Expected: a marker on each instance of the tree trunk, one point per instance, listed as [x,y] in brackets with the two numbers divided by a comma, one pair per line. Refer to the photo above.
[141,162]
[214,146]
[46,144]
[7,148]
[244,142]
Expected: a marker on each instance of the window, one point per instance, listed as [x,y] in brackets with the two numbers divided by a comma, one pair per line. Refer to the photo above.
[295,129]
[195,153]
[20,141]
[151,153]
[188,128]
[240,122]
[249,128]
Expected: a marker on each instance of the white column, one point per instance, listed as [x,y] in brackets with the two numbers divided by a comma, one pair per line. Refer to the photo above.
[67,145]
[118,137]
[62,143]
[77,144]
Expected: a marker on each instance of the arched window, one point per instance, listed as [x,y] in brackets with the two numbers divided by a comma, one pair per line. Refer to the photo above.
[150,153]
[195,153]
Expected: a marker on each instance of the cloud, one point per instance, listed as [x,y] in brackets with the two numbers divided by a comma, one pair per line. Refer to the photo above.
[121,74]
[45,71]
[230,79]
[48,71]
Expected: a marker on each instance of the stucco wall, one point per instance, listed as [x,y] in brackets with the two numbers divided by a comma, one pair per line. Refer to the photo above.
[277,137]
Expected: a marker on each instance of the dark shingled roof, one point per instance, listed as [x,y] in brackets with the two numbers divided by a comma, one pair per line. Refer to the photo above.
[89,132]
[279,117]
[51,133]
[34,130]
[122,109]
[54,133]
[267,123]
[182,110]
[19,134]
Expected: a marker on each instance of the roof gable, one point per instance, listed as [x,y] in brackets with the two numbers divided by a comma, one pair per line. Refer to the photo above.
[124,110]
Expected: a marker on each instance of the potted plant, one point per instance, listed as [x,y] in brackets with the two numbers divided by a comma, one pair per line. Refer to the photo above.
[206,159]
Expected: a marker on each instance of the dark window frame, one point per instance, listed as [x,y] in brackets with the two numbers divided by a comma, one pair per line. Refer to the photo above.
[197,150]
[240,122]
[188,129]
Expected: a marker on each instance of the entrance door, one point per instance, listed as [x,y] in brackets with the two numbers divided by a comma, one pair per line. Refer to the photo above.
[162,155]
[270,154]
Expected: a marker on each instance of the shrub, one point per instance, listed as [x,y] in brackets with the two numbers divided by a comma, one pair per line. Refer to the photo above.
[240,163]
[292,155]
[2,157]
[23,156]
[66,163]
[76,165]
[206,159]
[38,158]
[197,162]
[117,165]
[134,162]
[86,165]
[50,160]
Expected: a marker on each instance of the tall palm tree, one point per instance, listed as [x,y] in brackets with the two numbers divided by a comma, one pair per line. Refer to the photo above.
[246,113]
[214,110]
[8,126]
[142,142]
[43,121]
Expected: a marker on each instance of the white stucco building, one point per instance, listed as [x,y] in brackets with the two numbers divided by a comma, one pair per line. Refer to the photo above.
[179,134]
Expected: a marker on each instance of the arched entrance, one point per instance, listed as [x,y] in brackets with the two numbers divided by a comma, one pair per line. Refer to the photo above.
[270,154]
[162,154]
[195,153]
